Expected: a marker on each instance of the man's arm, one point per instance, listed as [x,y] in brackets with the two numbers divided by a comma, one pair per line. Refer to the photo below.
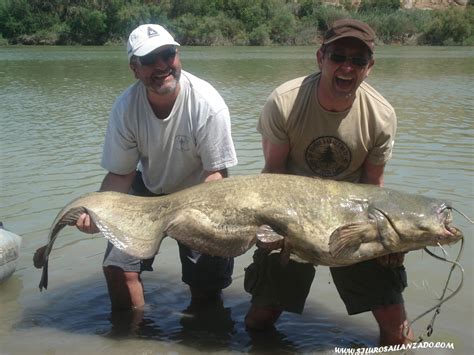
[276,156]
[111,182]
[373,174]
[119,183]
[215,175]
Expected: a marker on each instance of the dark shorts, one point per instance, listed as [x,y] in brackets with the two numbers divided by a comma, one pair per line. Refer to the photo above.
[198,270]
[277,286]
[362,287]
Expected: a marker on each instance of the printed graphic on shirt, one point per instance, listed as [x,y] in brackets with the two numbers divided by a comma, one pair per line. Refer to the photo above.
[182,143]
[328,156]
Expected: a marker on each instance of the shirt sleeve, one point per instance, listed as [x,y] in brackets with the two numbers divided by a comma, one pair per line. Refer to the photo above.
[271,124]
[120,153]
[214,142]
[381,152]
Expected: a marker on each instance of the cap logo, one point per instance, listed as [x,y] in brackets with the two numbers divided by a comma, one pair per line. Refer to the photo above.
[151,32]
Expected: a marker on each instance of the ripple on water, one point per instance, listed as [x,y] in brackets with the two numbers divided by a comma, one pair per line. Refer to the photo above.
[50,153]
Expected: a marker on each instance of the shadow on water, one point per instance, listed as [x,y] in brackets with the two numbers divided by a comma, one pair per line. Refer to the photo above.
[171,320]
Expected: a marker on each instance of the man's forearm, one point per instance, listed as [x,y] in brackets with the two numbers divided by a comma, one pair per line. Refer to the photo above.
[119,183]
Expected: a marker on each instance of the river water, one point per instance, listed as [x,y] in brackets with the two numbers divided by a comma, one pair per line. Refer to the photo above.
[54,104]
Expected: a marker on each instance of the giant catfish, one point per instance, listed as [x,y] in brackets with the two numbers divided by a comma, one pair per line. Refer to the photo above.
[324,222]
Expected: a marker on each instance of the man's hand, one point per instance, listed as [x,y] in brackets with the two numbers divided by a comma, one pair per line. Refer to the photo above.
[111,182]
[85,225]
[391,260]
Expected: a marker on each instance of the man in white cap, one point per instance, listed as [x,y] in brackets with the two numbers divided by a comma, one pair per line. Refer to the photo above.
[168,131]
[333,125]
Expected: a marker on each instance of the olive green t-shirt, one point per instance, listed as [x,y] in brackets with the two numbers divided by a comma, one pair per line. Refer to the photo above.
[328,144]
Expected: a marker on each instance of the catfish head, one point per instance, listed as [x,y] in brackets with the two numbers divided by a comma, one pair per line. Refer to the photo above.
[409,222]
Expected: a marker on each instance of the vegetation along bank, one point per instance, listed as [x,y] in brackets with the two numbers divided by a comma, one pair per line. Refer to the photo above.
[233,22]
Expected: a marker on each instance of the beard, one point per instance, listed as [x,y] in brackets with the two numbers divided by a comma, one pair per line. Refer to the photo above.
[165,86]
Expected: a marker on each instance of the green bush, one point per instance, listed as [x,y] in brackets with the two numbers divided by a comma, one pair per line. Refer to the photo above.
[450,27]
[209,30]
[259,36]
[325,15]
[282,27]
[306,8]
[87,26]
[379,5]
[250,12]
[16,18]
[223,22]
[198,8]
[129,17]
[3,41]
[396,26]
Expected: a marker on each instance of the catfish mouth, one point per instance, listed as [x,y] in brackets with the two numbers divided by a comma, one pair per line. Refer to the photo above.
[452,233]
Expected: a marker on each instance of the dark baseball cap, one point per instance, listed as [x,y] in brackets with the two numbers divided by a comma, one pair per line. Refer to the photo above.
[350,28]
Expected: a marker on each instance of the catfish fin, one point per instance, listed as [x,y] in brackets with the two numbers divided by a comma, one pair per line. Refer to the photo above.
[44,277]
[140,248]
[109,231]
[202,233]
[348,238]
[40,258]
[387,234]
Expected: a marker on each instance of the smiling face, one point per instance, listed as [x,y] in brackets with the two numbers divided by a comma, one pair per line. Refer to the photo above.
[344,64]
[159,71]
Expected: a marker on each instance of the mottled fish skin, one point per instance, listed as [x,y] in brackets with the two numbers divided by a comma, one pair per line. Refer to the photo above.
[324,222]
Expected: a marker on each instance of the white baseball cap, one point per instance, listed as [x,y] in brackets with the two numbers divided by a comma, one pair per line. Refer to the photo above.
[146,38]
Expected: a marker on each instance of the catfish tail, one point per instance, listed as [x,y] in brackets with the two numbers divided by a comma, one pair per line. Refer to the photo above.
[40,259]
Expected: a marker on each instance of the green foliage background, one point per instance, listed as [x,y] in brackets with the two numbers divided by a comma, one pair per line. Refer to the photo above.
[224,22]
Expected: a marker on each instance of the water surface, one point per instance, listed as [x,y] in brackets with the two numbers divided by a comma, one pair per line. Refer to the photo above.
[54,109]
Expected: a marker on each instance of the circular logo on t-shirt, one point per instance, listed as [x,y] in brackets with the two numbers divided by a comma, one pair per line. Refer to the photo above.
[328,156]
[182,143]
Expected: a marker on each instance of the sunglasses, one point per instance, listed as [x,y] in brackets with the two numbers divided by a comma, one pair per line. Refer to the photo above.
[151,58]
[339,58]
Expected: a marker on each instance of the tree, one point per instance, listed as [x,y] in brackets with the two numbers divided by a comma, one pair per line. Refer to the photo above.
[379,5]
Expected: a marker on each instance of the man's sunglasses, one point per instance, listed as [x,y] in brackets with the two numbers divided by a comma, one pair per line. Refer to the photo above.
[339,58]
[151,58]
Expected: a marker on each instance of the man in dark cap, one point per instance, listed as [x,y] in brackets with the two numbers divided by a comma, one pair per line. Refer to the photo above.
[333,125]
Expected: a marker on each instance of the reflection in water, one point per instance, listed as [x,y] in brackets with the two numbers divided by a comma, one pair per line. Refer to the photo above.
[203,325]
[206,325]
[171,321]
[126,323]
[270,341]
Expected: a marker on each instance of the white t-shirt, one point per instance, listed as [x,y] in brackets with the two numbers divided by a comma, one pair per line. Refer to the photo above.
[171,153]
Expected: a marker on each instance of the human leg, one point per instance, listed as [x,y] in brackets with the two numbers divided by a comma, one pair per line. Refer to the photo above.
[205,275]
[122,273]
[125,288]
[369,286]
[275,288]
[262,317]
[393,324]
